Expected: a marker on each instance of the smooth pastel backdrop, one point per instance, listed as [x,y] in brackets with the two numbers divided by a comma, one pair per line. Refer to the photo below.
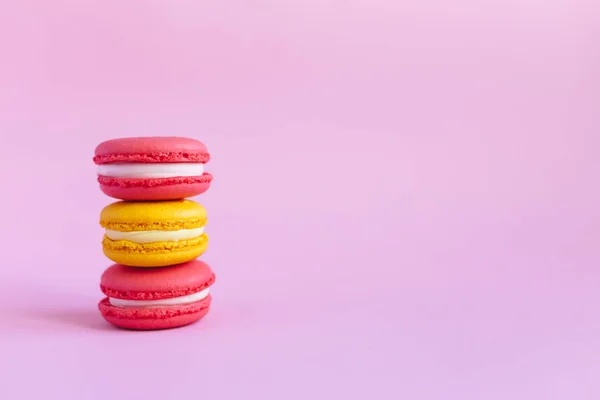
[405,203]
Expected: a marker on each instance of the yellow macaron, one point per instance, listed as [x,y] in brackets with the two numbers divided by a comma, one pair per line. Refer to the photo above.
[154,234]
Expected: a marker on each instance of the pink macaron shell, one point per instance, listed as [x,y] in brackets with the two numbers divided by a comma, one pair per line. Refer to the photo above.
[151,150]
[154,318]
[130,283]
[154,189]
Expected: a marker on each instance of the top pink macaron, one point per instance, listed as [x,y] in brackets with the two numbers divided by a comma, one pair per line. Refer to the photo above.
[152,168]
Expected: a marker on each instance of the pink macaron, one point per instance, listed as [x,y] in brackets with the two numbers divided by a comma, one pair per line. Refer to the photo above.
[152,168]
[156,298]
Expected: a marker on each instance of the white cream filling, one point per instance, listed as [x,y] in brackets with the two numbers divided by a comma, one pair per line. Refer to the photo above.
[155,236]
[157,170]
[173,301]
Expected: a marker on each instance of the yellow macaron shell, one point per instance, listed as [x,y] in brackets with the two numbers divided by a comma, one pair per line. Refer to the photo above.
[153,216]
[158,254]
[159,215]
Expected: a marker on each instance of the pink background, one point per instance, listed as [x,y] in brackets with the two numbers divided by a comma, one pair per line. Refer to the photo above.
[405,203]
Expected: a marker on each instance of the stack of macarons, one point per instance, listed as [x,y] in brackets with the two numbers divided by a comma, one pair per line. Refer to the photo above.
[154,234]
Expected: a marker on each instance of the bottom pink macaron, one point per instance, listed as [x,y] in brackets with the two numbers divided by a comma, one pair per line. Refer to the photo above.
[156,298]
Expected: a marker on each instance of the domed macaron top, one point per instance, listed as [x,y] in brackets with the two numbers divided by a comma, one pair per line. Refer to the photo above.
[151,150]
[156,215]
[178,280]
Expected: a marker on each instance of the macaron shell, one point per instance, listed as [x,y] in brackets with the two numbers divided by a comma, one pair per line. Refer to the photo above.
[128,283]
[164,215]
[154,318]
[162,258]
[155,189]
[151,150]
